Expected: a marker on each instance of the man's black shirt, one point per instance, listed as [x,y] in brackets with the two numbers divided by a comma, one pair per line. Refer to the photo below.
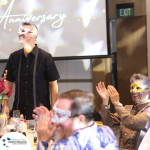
[46,71]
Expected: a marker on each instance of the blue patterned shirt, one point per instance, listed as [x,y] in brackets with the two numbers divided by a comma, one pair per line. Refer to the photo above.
[89,138]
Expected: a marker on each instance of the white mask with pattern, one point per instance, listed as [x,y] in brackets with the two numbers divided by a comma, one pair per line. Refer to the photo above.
[60,115]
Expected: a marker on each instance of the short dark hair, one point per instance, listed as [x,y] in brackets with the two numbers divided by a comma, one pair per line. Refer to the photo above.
[82,103]
[29,24]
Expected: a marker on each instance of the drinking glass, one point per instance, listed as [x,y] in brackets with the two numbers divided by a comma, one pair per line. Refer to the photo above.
[16,118]
[3,122]
[16,114]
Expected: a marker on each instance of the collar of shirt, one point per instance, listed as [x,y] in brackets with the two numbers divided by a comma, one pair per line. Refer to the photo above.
[141,105]
[85,127]
[34,51]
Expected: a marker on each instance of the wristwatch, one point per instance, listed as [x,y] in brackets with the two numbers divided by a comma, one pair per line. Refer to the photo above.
[119,105]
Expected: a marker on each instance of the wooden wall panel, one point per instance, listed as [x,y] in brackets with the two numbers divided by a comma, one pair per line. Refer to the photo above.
[148,32]
[131,53]
[101,71]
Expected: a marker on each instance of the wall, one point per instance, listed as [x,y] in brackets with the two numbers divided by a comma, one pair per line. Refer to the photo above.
[148,33]
[131,44]
[80,74]
[139,7]
[131,53]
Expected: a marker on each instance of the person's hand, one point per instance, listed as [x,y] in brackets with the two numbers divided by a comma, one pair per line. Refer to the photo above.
[5,74]
[102,91]
[45,129]
[114,95]
[6,110]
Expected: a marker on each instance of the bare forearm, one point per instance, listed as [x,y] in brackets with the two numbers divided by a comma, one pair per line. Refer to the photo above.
[10,85]
[53,97]
[54,92]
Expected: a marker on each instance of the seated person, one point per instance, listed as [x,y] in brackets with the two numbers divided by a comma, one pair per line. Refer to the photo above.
[132,118]
[73,125]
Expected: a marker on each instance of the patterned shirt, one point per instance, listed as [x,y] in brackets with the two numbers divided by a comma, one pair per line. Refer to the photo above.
[131,118]
[89,138]
[32,75]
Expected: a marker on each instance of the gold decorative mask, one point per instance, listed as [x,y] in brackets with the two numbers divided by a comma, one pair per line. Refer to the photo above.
[136,87]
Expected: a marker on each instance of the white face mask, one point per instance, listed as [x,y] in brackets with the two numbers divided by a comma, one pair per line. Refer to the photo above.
[60,115]
[23,30]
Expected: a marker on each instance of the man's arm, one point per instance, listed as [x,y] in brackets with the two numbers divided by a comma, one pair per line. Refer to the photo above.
[5,103]
[54,92]
[107,118]
[133,122]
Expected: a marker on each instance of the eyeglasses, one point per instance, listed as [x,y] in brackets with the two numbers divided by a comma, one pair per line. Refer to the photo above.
[23,30]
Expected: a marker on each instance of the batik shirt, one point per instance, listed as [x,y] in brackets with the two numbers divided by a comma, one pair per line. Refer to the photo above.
[131,118]
[89,138]
[31,75]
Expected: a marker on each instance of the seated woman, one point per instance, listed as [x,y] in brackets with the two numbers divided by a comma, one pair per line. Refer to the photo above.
[131,118]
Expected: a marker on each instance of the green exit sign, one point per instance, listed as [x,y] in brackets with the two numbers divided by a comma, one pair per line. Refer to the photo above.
[125,10]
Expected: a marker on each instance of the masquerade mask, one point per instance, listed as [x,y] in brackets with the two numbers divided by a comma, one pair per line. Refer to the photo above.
[136,87]
[23,30]
[60,115]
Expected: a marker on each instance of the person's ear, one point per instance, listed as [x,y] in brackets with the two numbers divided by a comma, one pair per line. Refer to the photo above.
[81,118]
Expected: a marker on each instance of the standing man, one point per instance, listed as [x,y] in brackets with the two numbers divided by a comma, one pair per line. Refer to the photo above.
[33,70]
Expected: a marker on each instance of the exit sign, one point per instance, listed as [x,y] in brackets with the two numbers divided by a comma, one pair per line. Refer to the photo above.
[125,10]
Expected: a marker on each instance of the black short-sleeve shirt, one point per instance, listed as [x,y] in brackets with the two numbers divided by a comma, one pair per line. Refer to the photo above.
[46,71]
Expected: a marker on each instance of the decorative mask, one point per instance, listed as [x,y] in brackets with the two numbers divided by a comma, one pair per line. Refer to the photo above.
[23,30]
[136,87]
[60,115]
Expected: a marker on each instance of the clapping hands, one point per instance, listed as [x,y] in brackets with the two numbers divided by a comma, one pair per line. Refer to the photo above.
[105,93]
[114,95]
[45,128]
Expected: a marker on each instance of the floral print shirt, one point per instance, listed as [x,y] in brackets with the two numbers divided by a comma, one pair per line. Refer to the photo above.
[89,138]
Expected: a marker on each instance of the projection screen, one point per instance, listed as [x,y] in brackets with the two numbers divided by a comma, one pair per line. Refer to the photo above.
[67,28]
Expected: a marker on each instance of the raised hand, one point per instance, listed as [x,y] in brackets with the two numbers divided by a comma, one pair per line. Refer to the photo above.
[45,129]
[114,95]
[102,91]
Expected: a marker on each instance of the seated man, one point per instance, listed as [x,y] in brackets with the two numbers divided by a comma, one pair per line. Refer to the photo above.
[132,118]
[74,128]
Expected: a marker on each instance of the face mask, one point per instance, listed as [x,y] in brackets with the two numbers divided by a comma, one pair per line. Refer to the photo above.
[23,30]
[60,115]
[136,87]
